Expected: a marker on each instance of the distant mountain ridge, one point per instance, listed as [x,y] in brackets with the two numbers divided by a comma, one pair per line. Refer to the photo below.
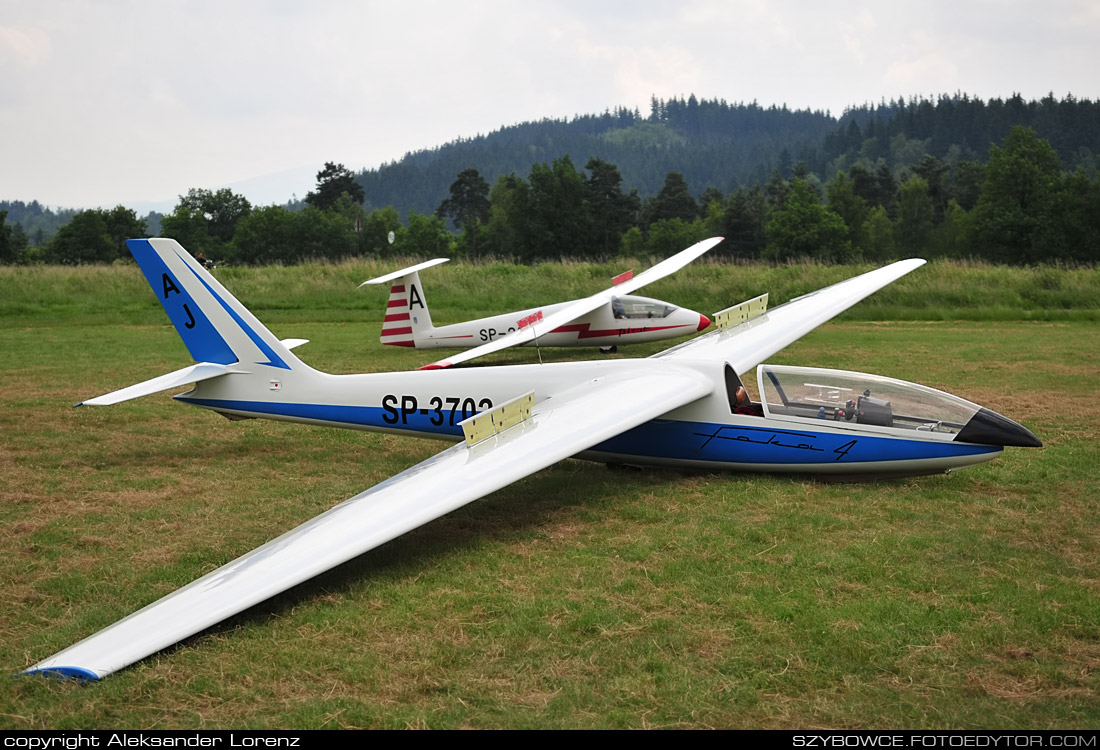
[726,146]
[712,143]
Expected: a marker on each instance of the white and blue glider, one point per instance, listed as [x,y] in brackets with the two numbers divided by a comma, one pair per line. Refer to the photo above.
[609,318]
[684,407]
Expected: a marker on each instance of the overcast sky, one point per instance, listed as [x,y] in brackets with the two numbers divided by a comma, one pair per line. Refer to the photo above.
[108,101]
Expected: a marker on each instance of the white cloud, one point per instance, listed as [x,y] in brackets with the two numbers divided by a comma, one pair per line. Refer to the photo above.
[22,48]
[926,75]
[124,101]
[924,67]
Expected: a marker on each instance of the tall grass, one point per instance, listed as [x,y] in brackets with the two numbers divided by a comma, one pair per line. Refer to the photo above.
[942,290]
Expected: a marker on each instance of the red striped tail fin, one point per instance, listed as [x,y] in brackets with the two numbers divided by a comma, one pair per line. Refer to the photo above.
[407,316]
[397,325]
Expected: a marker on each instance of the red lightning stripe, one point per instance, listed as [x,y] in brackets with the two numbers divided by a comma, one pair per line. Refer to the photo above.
[583,330]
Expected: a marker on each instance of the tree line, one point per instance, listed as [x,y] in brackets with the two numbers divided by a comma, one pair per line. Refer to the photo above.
[1020,207]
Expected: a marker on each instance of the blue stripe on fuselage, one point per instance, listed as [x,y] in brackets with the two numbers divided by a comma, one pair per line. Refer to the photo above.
[419,420]
[774,444]
[666,439]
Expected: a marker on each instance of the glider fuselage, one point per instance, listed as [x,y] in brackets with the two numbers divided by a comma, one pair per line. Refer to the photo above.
[655,321]
[606,319]
[704,435]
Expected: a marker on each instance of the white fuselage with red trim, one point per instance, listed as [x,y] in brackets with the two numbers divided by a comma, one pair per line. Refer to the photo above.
[626,320]
[597,328]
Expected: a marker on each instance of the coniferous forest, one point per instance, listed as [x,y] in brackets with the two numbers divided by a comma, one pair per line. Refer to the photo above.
[1004,180]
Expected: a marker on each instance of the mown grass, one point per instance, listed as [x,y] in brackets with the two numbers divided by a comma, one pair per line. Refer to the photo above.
[577,598]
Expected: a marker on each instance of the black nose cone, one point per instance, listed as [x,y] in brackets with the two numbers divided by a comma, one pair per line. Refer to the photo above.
[990,428]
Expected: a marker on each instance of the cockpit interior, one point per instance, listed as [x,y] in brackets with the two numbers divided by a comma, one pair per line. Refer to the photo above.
[804,393]
[630,308]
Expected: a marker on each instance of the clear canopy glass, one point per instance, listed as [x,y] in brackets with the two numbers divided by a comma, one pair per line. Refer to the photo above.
[856,398]
[640,307]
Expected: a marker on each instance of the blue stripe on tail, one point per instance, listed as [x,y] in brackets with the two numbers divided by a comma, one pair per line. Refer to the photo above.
[273,359]
[199,335]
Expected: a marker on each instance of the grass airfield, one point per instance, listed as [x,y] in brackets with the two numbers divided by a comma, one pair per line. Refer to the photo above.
[580,597]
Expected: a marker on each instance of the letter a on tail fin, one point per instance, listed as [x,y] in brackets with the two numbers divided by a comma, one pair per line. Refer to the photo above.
[407,318]
[214,326]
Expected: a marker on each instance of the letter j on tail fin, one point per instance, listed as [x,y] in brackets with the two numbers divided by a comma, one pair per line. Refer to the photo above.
[214,326]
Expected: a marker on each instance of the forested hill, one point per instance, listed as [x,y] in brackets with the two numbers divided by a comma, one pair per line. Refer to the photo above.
[36,221]
[727,146]
[711,143]
[1009,181]
[959,128]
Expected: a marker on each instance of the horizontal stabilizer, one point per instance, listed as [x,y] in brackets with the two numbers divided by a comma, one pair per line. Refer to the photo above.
[186,376]
[405,271]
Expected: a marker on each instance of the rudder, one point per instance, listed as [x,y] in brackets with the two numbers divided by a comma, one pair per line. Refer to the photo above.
[407,317]
[214,325]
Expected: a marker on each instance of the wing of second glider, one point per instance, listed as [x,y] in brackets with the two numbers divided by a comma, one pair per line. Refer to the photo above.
[559,427]
[537,325]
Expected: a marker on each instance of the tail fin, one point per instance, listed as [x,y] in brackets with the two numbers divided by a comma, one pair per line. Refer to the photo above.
[407,317]
[214,326]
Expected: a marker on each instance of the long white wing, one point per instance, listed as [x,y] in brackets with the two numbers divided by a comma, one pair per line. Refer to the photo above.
[560,427]
[746,345]
[576,309]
